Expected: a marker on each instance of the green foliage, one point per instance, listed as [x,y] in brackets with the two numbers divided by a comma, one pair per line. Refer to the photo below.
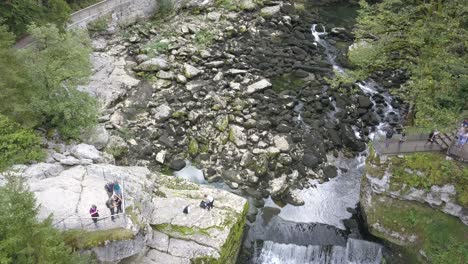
[22,238]
[428,40]
[193,147]
[423,170]
[19,14]
[80,239]
[98,25]
[76,5]
[204,38]
[440,236]
[17,145]
[165,9]
[55,64]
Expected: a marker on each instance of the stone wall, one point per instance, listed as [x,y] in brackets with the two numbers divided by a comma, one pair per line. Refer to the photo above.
[122,11]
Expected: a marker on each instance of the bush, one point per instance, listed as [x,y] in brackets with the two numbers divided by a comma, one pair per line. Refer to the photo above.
[22,238]
[99,25]
[17,145]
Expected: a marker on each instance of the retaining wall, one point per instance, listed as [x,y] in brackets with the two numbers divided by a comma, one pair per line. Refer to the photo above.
[122,12]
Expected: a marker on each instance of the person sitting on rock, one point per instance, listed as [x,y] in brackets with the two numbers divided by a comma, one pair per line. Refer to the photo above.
[94,212]
[209,200]
[109,188]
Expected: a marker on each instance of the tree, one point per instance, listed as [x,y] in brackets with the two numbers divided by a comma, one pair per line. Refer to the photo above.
[17,145]
[23,239]
[15,91]
[426,39]
[54,65]
[19,14]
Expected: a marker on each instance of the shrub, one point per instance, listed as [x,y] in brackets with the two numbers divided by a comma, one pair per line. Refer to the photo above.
[17,145]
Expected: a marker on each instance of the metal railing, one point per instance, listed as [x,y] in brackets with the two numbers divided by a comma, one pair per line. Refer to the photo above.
[106,221]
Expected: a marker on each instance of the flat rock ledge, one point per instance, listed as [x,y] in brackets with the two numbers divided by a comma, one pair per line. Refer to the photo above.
[201,236]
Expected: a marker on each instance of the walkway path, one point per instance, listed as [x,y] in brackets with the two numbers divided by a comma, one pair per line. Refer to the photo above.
[417,142]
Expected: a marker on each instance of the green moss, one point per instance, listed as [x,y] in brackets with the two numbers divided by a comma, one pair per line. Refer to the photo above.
[179,115]
[443,238]
[423,170]
[222,123]
[80,239]
[230,249]
[167,171]
[160,193]
[177,231]
[193,147]
[100,24]
[117,151]
[177,183]
[204,38]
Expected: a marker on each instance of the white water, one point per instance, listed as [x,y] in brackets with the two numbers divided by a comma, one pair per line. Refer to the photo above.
[191,173]
[327,202]
[356,251]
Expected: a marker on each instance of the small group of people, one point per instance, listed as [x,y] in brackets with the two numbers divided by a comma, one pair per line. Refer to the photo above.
[389,134]
[207,203]
[114,203]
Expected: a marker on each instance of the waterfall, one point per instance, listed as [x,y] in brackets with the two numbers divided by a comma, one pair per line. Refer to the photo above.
[356,251]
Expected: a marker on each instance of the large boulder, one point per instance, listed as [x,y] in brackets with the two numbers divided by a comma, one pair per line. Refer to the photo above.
[154,64]
[270,11]
[85,151]
[237,136]
[98,137]
[200,234]
[258,86]
[43,170]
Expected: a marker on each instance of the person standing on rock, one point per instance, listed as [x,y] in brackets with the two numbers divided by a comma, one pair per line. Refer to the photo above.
[111,205]
[118,204]
[94,212]
[117,189]
[388,137]
[109,188]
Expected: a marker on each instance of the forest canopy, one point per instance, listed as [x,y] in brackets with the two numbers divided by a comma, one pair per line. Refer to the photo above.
[426,39]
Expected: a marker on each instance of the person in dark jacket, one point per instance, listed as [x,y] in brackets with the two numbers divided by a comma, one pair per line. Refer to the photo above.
[109,188]
[111,205]
[388,137]
[118,204]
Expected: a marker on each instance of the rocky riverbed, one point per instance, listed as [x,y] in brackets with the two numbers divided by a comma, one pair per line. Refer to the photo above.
[242,94]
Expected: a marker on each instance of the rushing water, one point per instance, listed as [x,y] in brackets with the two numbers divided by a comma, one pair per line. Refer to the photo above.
[191,173]
[315,232]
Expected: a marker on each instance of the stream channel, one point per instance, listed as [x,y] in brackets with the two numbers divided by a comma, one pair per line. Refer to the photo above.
[327,228]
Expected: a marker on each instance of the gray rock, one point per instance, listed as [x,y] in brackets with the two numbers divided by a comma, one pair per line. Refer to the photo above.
[283,128]
[166,75]
[281,142]
[258,86]
[162,113]
[85,151]
[98,137]
[269,11]
[190,71]
[237,136]
[213,16]
[177,164]
[158,257]
[43,170]
[364,102]
[309,160]
[71,161]
[154,64]
[159,241]
[181,78]
[330,171]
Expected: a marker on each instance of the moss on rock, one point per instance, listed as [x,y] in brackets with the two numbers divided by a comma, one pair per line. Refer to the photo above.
[231,247]
[80,239]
